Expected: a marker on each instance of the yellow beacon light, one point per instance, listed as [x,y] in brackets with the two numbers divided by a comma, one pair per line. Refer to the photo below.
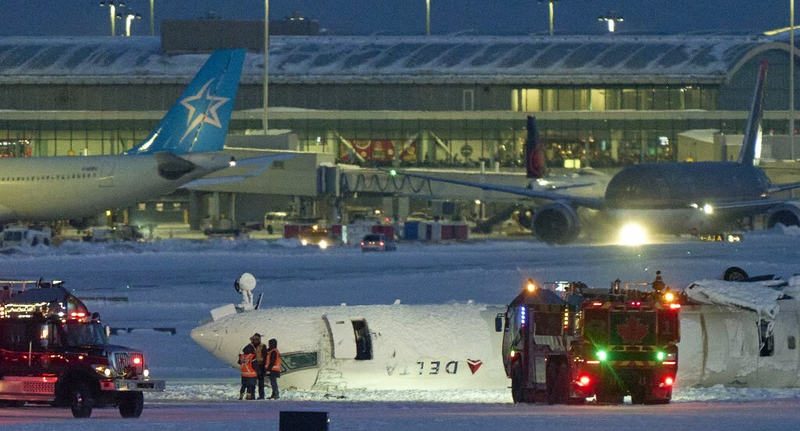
[530,286]
[669,297]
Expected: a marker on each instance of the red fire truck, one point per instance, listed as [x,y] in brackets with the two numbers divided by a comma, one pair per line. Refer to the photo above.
[53,351]
[565,342]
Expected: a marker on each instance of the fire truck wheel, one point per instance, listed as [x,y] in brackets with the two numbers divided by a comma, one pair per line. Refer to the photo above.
[607,395]
[557,382]
[517,386]
[131,404]
[12,403]
[638,395]
[81,400]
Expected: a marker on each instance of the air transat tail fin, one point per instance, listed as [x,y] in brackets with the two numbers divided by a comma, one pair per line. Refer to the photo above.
[751,144]
[534,153]
[199,120]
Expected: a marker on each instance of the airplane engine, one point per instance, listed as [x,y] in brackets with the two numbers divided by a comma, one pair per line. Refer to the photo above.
[787,214]
[556,223]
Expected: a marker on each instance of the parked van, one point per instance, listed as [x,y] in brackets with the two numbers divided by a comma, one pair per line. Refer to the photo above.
[275,221]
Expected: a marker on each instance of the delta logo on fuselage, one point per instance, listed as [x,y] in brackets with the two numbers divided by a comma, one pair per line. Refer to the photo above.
[434,368]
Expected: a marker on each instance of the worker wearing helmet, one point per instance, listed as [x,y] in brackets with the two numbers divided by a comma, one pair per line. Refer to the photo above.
[274,367]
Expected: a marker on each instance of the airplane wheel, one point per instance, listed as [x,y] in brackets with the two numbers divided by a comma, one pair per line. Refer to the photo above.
[269,229]
[734,273]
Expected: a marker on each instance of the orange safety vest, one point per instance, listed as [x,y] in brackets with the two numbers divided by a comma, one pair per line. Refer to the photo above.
[246,360]
[277,365]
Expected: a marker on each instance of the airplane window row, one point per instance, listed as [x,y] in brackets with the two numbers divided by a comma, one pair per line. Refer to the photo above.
[51,177]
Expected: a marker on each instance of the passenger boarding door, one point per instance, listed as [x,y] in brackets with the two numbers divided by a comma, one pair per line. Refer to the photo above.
[343,340]
[107,174]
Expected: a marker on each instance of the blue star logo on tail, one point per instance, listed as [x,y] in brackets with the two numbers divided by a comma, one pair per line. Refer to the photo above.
[205,105]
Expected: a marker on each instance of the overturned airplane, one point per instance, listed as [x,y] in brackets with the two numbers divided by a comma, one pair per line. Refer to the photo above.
[740,334]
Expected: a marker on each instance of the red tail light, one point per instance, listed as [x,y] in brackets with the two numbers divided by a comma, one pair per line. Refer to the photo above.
[674,306]
[362,243]
[382,243]
[669,381]
[584,380]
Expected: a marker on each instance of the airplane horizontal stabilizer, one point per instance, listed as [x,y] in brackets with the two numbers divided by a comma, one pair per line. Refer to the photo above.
[199,120]
[259,164]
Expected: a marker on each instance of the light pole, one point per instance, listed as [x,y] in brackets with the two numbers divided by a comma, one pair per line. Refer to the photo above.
[611,18]
[112,9]
[428,17]
[128,16]
[152,18]
[791,78]
[266,64]
[551,6]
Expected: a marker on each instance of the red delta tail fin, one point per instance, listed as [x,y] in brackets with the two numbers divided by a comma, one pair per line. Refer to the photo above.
[534,153]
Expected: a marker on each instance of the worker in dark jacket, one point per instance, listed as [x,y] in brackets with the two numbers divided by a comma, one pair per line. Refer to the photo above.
[273,367]
[260,351]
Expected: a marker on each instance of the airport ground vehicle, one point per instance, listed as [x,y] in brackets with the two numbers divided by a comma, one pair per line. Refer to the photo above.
[274,222]
[565,342]
[377,242]
[15,236]
[316,236]
[53,351]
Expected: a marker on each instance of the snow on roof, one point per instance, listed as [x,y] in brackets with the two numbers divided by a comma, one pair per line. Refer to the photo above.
[609,59]
[760,297]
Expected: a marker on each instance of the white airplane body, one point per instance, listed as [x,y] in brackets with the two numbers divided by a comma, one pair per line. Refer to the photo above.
[56,188]
[183,148]
[457,346]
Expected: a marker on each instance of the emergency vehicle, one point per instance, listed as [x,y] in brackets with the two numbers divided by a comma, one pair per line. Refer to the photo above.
[53,351]
[565,342]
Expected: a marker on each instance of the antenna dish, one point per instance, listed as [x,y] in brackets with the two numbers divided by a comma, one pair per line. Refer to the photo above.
[245,285]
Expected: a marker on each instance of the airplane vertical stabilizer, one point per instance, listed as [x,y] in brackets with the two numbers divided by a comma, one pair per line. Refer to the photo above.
[199,120]
[534,153]
[751,144]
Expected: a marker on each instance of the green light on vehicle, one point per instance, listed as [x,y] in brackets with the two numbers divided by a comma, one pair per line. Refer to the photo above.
[393,172]
[602,355]
[660,356]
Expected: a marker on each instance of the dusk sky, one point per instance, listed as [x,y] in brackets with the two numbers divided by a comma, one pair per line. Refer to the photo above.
[407,17]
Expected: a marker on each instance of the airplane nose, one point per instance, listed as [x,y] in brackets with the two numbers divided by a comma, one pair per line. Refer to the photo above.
[205,337]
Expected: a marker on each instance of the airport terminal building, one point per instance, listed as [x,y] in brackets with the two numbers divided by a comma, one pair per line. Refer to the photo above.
[423,101]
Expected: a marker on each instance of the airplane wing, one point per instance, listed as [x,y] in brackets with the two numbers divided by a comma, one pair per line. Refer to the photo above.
[782,187]
[763,204]
[259,164]
[587,202]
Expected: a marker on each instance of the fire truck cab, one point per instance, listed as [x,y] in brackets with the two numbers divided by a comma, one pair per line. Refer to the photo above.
[53,351]
[565,342]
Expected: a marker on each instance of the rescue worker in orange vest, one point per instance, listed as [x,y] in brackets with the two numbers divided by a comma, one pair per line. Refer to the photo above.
[260,350]
[247,363]
[273,367]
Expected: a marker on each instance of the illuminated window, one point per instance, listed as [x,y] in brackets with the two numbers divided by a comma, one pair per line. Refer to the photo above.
[142,206]
[598,99]
[160,206]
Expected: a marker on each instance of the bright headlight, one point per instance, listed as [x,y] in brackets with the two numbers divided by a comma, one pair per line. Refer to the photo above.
[304,241]
[323,244]
[632,234]
[104,370]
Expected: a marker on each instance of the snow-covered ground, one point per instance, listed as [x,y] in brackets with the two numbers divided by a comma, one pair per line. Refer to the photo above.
[174,283]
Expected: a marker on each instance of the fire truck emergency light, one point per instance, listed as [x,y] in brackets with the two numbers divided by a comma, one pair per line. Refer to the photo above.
[530,286]
[602,355]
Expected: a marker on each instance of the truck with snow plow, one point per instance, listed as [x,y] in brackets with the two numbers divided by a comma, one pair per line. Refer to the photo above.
[565,342]
[53,351]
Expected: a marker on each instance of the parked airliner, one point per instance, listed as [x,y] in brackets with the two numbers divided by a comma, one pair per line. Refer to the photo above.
[683,197]
[183,147]
[459,346]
